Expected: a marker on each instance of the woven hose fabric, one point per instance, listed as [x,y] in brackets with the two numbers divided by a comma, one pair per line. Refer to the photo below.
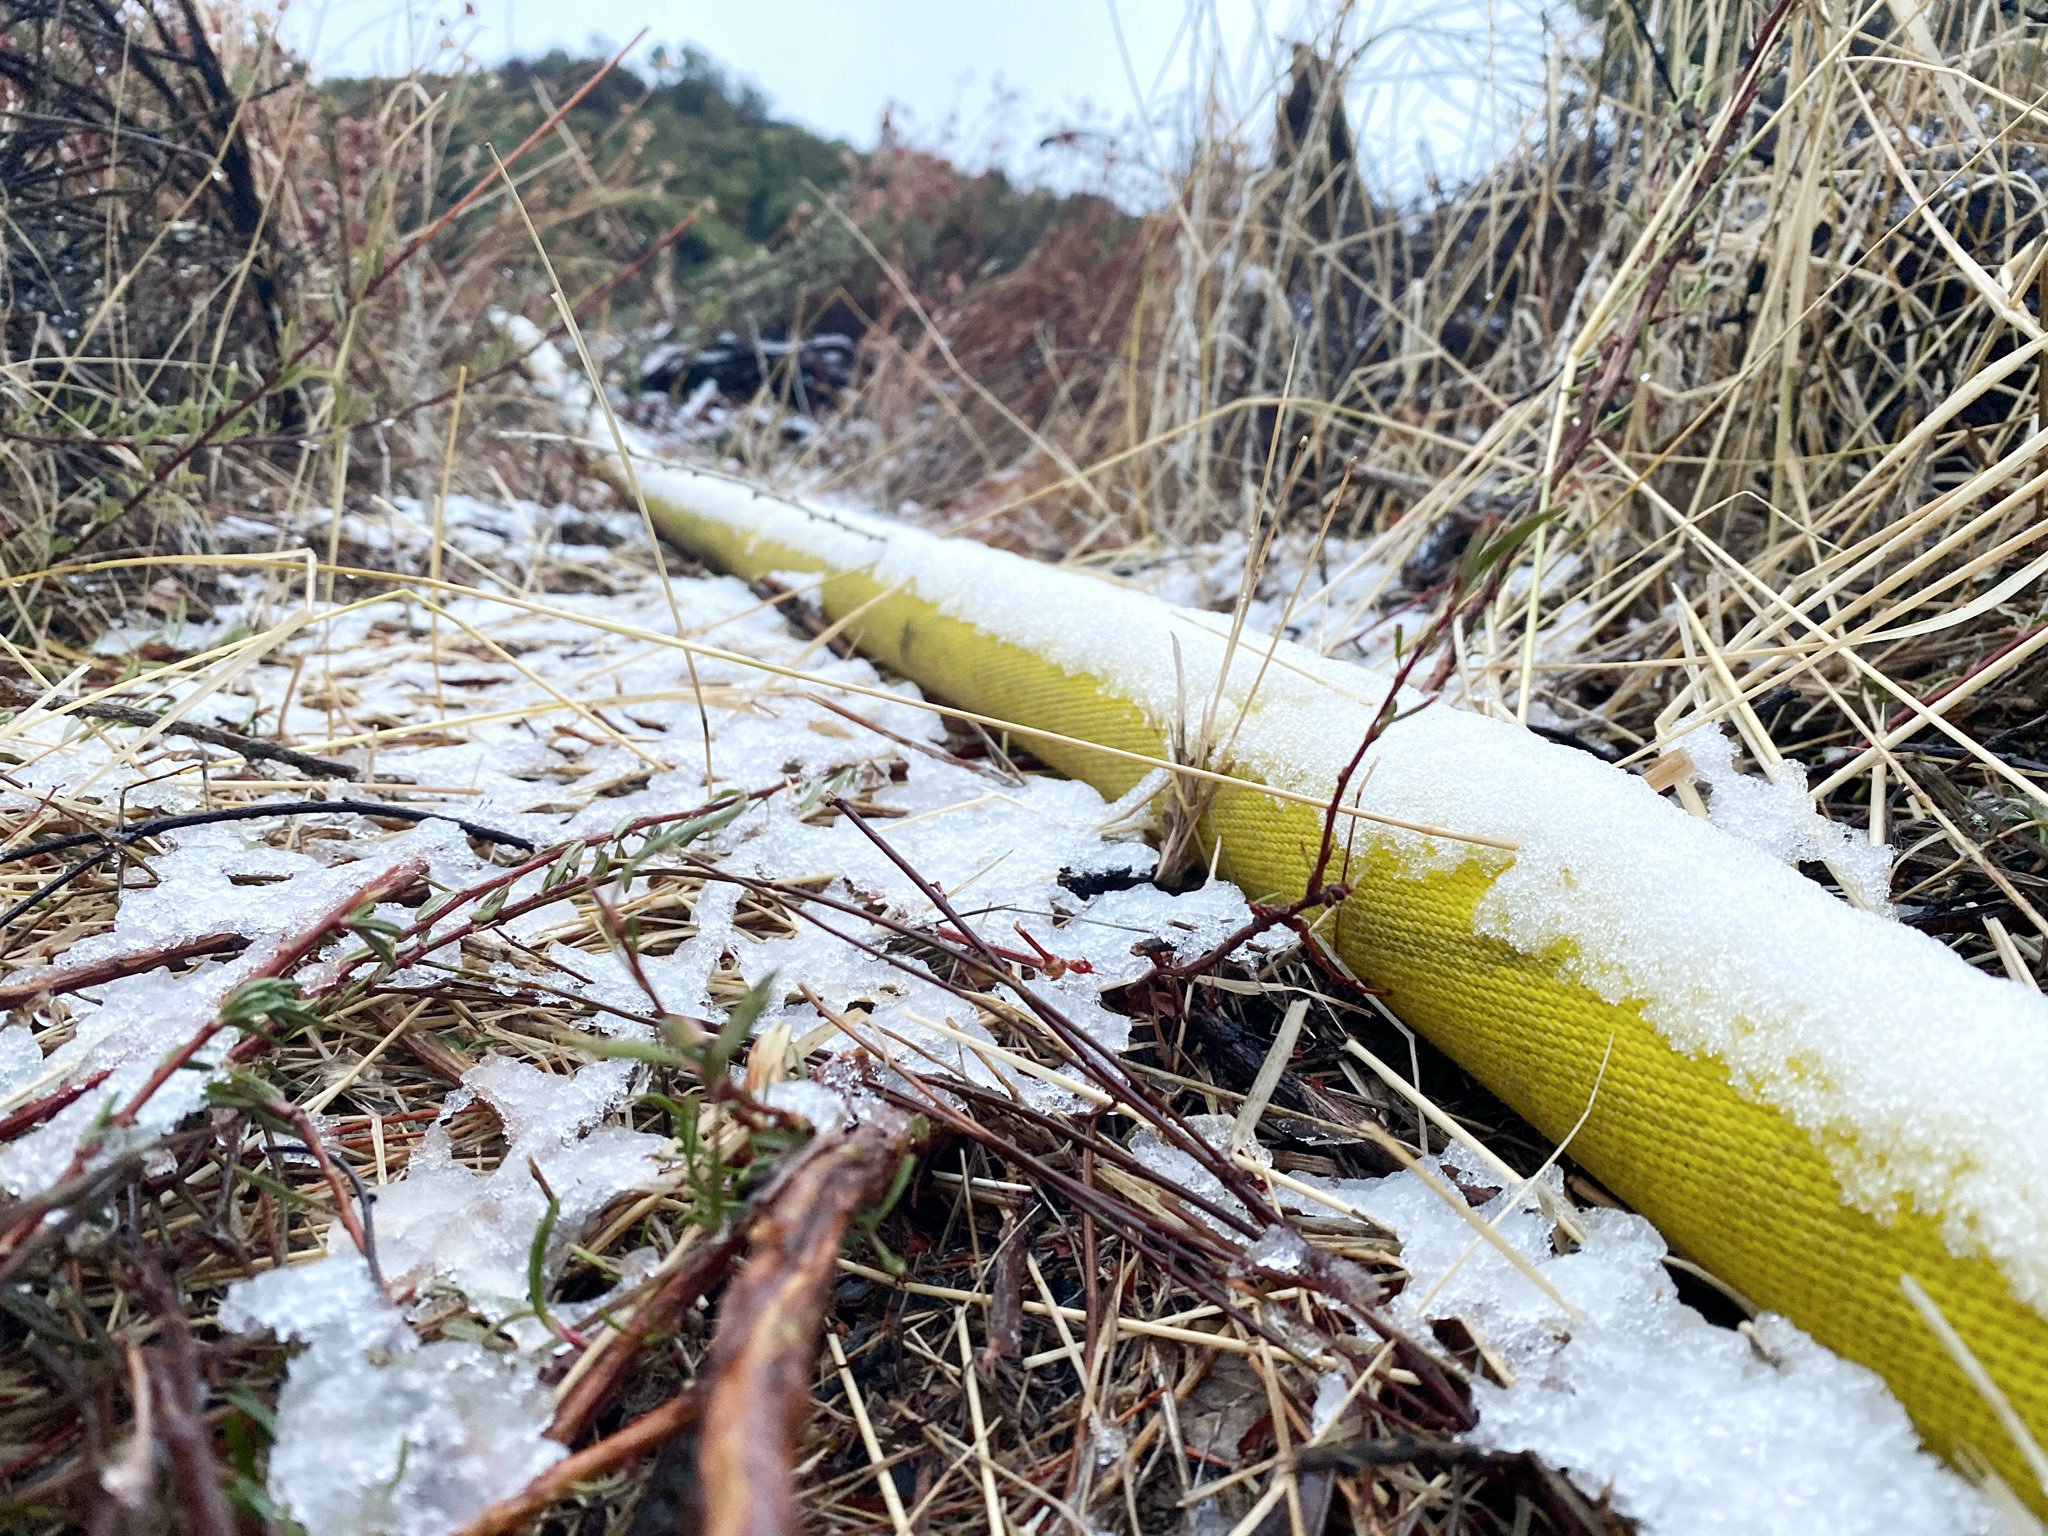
[1731,1182]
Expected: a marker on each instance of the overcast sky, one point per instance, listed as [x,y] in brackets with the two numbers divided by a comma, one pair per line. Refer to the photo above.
[1440,80]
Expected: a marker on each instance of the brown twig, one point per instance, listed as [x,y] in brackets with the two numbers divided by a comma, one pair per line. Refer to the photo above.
[1100,1063]
[53,981]
[655,1318]
[252,748]
[429,941]
[180,1394]
[765,1350]
[1006,1287]
[337,1184]
[36,1111]
[286,953]
[56,882]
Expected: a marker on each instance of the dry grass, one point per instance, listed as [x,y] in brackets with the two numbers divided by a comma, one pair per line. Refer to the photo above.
[1745,361]
[1032,1322]
[232,294]
[1735,365]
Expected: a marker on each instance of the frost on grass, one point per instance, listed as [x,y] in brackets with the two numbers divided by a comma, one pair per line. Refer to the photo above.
[1178,1169]
[1729,952]
[121,1035]
[1004,855]
[384,1428]
[1692,1429]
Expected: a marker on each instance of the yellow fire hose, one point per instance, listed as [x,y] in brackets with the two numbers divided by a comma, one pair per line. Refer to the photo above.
[1732,1166]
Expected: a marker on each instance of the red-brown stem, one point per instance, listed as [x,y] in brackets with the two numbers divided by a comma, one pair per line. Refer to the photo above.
[180,1393]
[1102,1064]
[1382,718]
[38,1110]
[93,973]
[1621,346]
[344,1197]
[656,1317]
[1263,918]
[1905,712]
[540,860]
[285,953]
[648,1432]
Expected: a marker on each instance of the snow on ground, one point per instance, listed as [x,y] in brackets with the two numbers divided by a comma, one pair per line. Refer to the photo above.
[1728,951]
[1696,1430]
[545,703]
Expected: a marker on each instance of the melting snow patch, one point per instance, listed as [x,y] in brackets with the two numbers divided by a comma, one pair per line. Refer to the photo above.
[823,1108]
[21,1060]
[1333,1394]
[1692,1429]
[446,1225]
[376,1431]
[1179,1169]
[379,1432]
[138,1019]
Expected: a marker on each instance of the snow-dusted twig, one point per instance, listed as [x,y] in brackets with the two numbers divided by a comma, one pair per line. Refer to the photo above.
[56,980]
[250,748]
[284,954]
[420,941]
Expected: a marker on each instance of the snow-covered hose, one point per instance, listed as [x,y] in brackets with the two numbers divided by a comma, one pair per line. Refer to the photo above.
[1828,1111]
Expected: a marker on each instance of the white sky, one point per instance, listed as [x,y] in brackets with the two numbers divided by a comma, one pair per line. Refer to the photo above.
[986,79]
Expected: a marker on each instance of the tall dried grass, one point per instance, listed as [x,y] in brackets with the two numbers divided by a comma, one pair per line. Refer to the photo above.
[1742,343]
[230,290]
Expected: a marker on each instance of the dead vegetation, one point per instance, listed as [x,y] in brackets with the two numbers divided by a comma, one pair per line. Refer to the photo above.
[1732,373]
[1741,351]
[1022,1318]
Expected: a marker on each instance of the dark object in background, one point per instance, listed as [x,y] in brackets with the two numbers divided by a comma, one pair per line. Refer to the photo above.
[807,373]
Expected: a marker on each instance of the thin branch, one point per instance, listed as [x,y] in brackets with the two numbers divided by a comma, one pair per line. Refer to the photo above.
[154,826]
[764,1354]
